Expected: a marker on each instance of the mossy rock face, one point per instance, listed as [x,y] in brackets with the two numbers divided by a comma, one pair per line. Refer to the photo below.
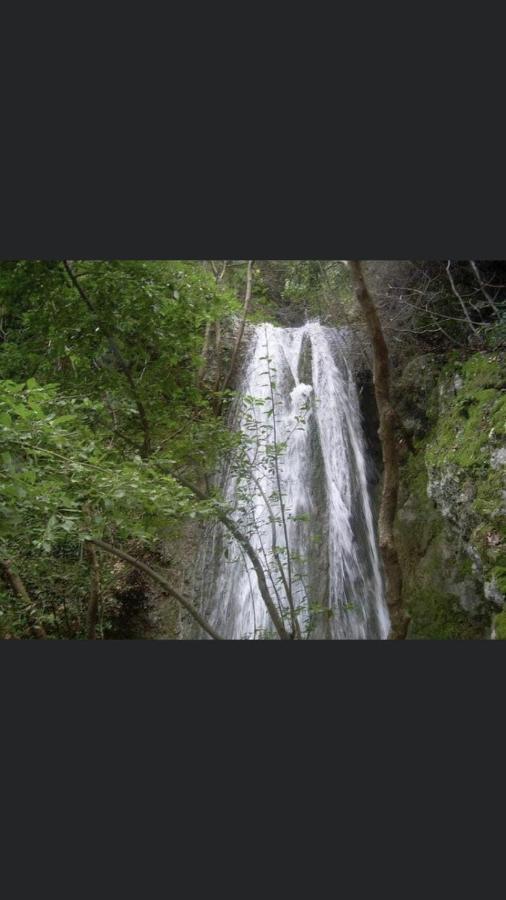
[465,455]
[495,586]
[467,392]
[500,626]
[441,587]
[451,521]
[438,616]
[413,393]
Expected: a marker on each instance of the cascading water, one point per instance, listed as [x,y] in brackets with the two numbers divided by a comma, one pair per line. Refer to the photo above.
[300,493]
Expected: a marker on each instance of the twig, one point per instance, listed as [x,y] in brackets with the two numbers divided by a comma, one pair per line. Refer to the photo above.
[459,298]
[485,293]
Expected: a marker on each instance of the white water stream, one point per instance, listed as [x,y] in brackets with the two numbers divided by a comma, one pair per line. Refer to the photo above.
[331,569]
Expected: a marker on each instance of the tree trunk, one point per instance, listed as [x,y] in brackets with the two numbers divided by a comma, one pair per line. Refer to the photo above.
[387,432]
[14,581]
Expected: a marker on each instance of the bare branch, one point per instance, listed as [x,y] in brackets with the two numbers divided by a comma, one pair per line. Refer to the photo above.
[459,298]
[485,293]
[142,567]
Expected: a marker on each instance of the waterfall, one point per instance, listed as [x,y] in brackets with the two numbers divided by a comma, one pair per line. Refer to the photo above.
[299,417]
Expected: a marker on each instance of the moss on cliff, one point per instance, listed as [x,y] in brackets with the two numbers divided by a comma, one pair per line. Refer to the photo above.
[438,616]
[472,412]
[451,527]
[433,571]
[500,626]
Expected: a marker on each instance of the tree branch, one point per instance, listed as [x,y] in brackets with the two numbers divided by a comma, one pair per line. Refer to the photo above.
[14,581]
[247,546]
[483,289]
[459,298]
[123,365]
[142,567]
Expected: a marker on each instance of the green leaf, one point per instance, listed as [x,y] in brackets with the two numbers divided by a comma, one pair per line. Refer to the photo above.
[61,419]
[68,525]
[22,411]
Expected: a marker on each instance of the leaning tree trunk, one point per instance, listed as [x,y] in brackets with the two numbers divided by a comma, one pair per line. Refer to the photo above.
[15,582]
[387,432]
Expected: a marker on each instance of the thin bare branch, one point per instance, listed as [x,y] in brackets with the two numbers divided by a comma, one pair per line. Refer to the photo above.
[483,289]
[459,298]
[147,570]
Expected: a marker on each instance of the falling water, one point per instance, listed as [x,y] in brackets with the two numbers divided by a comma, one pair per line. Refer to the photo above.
[299,415]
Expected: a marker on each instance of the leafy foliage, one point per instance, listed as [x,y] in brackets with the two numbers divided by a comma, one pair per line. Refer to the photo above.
[76,373]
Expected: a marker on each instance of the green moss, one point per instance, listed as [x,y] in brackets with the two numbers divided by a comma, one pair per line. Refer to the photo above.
[466,425]
[484,371]
[500,626]
[415,473]
[488,501]
[498,416]
[463,431]
[418,522]
[471,424]
[498,573]
[435,613]
[465,568]
[438,616]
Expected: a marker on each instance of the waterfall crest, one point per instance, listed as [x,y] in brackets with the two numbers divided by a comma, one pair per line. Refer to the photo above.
[299,415]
